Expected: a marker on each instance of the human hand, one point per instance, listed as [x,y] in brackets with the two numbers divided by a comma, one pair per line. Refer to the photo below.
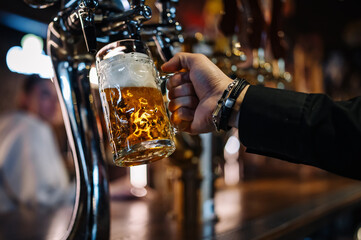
[194,91]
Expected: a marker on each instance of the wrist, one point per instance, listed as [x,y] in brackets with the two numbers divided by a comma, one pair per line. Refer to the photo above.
[225,107]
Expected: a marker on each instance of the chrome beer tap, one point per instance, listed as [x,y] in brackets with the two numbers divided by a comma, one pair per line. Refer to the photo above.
[74,35]
[71,43]
[167,32]
[80,28]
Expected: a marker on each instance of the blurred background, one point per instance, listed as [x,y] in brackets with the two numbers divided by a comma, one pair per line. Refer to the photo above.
[302,45]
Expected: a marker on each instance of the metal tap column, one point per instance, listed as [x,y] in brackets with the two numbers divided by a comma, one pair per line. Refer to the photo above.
[91,216]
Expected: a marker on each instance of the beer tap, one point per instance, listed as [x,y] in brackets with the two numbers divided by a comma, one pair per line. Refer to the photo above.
[168,31]
[128,23]
[71,44]
[86,18]
[74,35]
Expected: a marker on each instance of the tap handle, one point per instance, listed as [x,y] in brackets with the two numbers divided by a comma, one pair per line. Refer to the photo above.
[167,10]
[164,47]
[132,19]
[168,30]
[86,18]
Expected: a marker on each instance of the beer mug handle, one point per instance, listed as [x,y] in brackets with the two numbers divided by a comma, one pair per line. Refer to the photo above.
[163,82]
[164,77]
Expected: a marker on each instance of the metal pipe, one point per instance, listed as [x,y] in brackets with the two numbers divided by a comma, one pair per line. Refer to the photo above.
[91,216]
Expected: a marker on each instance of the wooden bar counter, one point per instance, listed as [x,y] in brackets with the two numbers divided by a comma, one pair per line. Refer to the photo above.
[268,208]
[261,208]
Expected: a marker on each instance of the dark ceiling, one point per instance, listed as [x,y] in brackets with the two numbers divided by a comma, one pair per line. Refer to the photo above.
[20,8]
[309,15]
[325,17]
[311,11]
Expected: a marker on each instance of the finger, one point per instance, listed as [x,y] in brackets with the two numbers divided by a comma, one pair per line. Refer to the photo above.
[186,101]
[176,63]
[182,115]
[178,79]
[186,89]
[184,126]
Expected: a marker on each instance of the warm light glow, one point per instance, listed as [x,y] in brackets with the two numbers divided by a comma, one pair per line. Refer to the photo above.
[30,58]
[93,76]
[260,78]
[32,44]
[138,180]
[126,4]
[280,85]
[261,53]
[358,236]
[232,145]
[138,176]
[199,36]
[281,65]
[138,215]
[231,173]
[287,76]
[231,154]
[139,192]
[268,67]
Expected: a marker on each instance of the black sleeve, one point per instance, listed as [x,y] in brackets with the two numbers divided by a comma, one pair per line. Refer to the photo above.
[303,128]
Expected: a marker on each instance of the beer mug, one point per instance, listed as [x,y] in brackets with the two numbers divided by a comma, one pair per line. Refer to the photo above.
[134,109]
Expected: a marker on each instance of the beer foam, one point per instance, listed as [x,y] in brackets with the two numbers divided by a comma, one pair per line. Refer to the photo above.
[127,70]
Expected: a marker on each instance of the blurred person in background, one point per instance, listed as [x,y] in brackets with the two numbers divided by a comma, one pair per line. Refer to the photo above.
[32,171]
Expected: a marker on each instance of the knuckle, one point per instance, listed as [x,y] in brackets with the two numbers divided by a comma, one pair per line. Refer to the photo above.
[199,56]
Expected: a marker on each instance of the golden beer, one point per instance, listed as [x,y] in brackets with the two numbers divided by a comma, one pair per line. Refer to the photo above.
[138,125]
[137,118]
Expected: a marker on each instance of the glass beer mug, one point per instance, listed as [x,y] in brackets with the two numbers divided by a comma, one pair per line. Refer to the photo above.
[134,109]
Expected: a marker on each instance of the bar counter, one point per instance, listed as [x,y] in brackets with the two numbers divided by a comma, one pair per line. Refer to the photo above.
[262,208]
[269,208]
